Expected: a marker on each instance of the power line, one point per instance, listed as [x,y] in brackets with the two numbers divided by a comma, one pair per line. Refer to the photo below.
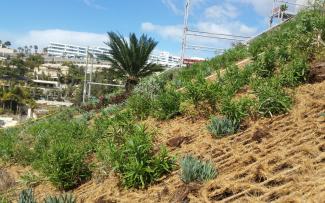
[215,37]
[221,34]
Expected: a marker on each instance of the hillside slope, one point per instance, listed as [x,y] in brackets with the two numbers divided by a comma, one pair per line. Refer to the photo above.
[275,159]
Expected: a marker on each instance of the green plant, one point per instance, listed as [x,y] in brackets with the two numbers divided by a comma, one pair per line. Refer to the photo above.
[63,198]
[167,104]
[65,165]
[29,179]
[193,169]
[135,159]
[272,99]
[188,109]
[26,196]
[4,199]
[140,105]
[265,63]
[220,127]
[151,86]
[294,73]
[8,139]
[129,59]
[237,110]
[230,56]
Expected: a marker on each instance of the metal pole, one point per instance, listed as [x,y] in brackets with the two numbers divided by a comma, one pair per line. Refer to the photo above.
[186,13]
[90,76]
[85,79]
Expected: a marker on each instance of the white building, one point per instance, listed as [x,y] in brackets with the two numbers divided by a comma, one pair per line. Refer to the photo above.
[164,58]
[6,52]
[68,50]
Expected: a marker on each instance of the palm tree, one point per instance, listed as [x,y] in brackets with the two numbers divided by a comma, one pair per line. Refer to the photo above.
[35,48]
[7,44]
[130,58]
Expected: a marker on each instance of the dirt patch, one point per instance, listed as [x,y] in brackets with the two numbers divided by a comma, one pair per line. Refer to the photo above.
[178,141]
[6,180]
[317,73]
[181,194]
[259,135]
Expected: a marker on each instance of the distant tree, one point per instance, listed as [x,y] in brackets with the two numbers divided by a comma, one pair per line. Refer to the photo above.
[19,64]
[7,44]
[34,61]
[26,49]
[130,58]
[36,48]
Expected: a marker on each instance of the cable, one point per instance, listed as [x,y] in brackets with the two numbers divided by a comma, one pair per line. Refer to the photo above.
[210,33]
[215,37]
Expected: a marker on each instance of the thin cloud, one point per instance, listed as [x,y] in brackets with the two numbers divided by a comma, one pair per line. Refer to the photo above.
[92,3]
[42,38]
[177,6]
[171,4]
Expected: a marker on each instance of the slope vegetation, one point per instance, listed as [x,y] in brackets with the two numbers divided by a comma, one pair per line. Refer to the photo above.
[251,131]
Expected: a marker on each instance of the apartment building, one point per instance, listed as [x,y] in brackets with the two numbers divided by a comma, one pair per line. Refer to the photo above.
[69,50]
[164,58]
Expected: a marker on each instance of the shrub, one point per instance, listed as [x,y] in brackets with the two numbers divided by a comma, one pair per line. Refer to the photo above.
[140,105]
[151,86]
[233,80]
[265,63]
[63,198]
[26,196]
[294,73]
[272,99]
[167,104]
[220,127]
[134,158]
[193,169]
[65,165]
[230,56]
[188,109]
[4,199]
[8,140]
[203,94]
[237,110]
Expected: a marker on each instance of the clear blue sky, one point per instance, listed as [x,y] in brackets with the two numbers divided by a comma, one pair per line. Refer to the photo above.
[85,22]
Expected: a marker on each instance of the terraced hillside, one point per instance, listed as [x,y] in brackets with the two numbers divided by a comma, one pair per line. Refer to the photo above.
[219,131]
[275,159]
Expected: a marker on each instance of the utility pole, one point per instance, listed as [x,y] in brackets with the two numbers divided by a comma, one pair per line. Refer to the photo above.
[90,76]
[184,41]
[85,79]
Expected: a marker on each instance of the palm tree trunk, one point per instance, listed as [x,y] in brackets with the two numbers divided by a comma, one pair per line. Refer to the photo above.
[131,82]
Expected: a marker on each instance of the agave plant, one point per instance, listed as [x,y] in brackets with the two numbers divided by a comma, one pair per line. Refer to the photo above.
[63,198]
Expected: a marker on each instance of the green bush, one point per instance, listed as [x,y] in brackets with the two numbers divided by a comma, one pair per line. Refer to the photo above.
[135,159]
[64,164]
[151,86]
[140,105]
[167,104]
[63,198]
[294,73]
[8,139]
[204,95]
[220,127]
[272,99]
[230,56]
[265,63]
[193,169]
[26,196]
[237,110]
